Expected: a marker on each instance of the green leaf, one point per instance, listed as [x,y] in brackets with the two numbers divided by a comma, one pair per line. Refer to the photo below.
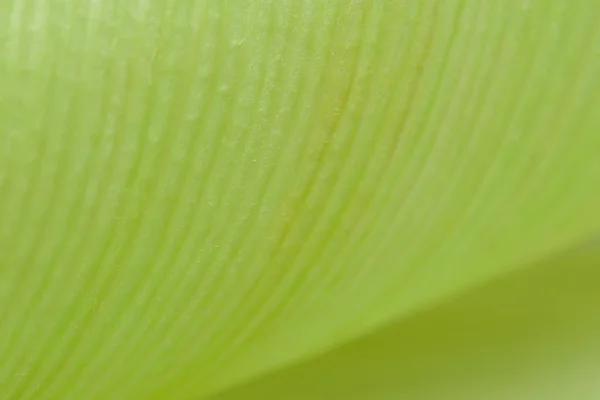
[196,192]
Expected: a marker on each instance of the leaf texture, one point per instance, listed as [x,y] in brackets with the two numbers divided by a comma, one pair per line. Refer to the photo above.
[195,192]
